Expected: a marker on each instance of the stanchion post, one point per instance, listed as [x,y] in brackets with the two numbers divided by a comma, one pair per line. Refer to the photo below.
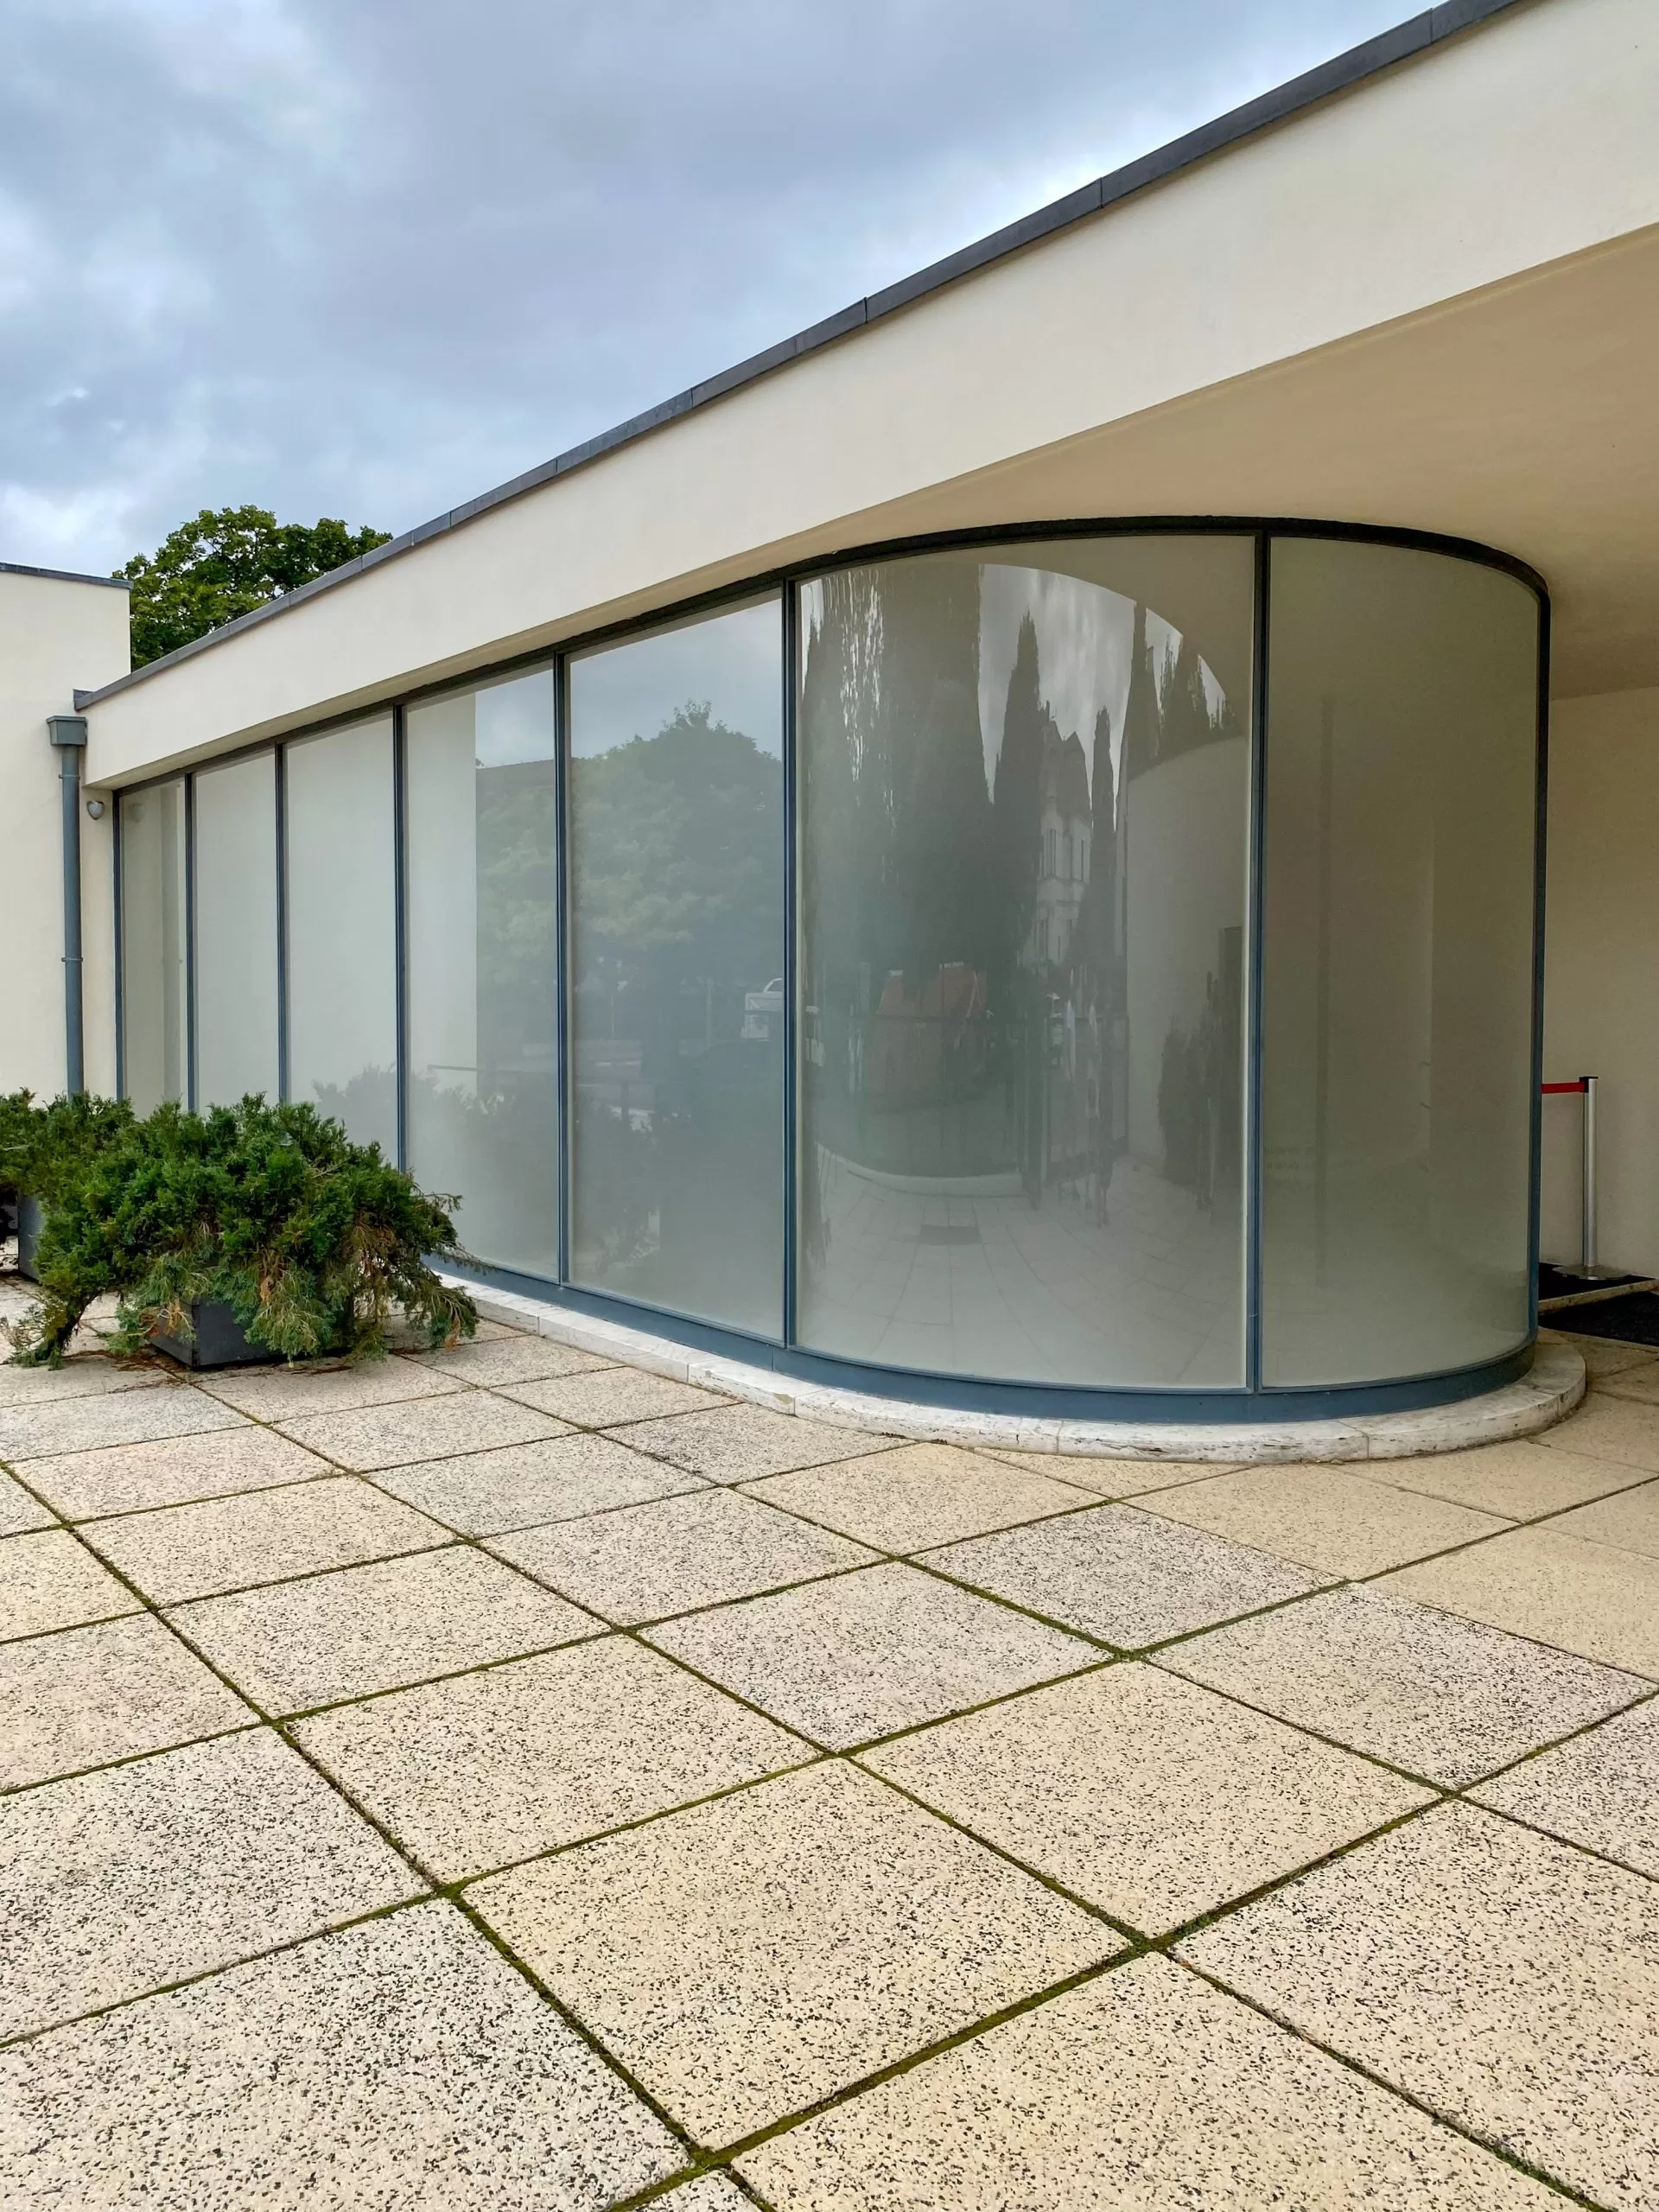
[1589,1261]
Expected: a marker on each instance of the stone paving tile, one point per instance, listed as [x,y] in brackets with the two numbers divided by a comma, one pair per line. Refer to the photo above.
[749,1957]
[18,1510]
[1109,1478]
[1632,1381]
[1516,1481]
[118,1417]
[1145,1795]
[1591,1598]
[172,1470]
[611,1395]
[517,1358]
[739,1444]
[50,1581]
[870,1652]
[117,1883]
[285,1394]
[88,1375]
[1601,1355]
[1605,1428]
[522,1485]
[1445,1698]
[1601,1789]
[701,1549]
[1145,2087]
[381,1627]
[1506,1980]
[1630,1521]
[95,1694]
[263,1535]
[396,1436]
[473,1772]
[1129,1577]
[1329,1518]
[921,1494]
[711,2193]
[398,2064]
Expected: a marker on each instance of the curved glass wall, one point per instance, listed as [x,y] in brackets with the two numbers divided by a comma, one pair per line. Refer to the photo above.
[1105,964]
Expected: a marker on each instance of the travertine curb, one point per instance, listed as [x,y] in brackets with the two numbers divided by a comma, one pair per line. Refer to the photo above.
[1545,1395]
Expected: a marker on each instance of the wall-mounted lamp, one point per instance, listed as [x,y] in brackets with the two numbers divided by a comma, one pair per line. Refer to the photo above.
[95,808]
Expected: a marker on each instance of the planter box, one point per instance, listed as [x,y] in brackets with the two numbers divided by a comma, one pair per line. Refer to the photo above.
[220,1340]
[30,1221]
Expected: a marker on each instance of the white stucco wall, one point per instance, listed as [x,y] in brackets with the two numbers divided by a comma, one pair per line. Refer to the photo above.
[56,635]
[1601,970]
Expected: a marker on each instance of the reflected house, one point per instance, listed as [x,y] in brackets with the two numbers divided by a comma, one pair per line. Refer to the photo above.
[910,864]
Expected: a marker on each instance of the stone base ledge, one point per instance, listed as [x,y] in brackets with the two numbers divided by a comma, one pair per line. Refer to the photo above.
[1545,1395]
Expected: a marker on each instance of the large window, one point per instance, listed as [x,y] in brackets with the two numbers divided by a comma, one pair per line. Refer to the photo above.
[482,812]
[154,1027]
[1025,782]
[1398,962]
[235,858]
[677,870]
[342,949]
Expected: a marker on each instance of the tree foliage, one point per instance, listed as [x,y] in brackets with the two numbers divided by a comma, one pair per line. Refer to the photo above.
[208,571]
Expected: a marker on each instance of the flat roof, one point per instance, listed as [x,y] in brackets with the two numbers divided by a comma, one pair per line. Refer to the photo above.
[1345,71]
[72,576]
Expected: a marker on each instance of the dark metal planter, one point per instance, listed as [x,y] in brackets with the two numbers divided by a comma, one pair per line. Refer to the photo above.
[30,1222]
[220,1340]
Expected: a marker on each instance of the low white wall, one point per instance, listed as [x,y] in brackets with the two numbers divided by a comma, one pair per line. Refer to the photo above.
[56,634]
[1601,970]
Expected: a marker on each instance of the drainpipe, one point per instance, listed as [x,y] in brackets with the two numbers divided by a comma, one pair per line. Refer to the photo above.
[68,734]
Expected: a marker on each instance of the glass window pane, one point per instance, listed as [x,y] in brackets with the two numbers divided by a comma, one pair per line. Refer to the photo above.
[1025,796]
[481,799]
[676,857]
[153,1022]
[342,965]
[1398,978]
[235,930]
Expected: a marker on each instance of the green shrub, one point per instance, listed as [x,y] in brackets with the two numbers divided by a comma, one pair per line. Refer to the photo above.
[311,1239]
[43,1148]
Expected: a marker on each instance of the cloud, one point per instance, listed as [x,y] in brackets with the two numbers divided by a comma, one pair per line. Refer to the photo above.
[343,257]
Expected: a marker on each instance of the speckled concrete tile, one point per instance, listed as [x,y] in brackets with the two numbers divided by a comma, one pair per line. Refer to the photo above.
[18,1510]
[117,1417]
[1600,1789]
[50,1581]
[88,1374]
[396,1436]
[380,1627]
[870,1652]
[512,1359]
[1128,1577]
[701,1549]
[285,1394]
[172,1470]
[1516,1481]
[1506,1980]
[747,1957]
[484,1769]
[263,1535]
[522,1485]
[1587,1598]
[1631,1380]
[1601,1355]
[401,2064]
[117,1883]
[1143,2088]
[95,1694]
[1147,1796]
[612,1396]
[1332,1519]
[1630,1521]
[1107,1477]
[1443,1698]
[920,1494]
[710,2193]
[739,1444]
[1604,1428]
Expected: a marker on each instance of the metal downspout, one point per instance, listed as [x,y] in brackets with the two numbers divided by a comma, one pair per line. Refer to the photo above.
[68,734]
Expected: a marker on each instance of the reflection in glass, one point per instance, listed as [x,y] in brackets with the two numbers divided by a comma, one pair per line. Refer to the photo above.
[481,799]
[1025,794]
[154,1028]
[235,930]
[1398,979]
[676,965]
[343,964]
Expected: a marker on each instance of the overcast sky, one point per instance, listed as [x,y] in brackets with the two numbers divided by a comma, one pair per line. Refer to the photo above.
[368,257]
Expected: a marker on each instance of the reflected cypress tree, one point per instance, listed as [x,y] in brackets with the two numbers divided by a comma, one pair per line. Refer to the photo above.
[1017,808]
